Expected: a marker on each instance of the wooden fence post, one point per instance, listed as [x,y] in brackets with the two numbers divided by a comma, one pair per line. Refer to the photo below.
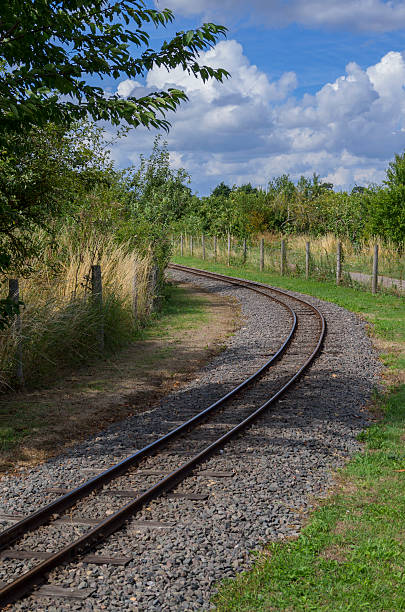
[282,258]
[229,249]
[374,282]
[339,263]
[14,296]
[135,293]
[191,246]
[307,259]
[215,248]
[181,245]
[261,254]
[154,287]
[203,245]
[244,250]
[97,295]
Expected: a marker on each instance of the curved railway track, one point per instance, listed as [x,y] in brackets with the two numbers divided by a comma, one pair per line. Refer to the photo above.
[223,420]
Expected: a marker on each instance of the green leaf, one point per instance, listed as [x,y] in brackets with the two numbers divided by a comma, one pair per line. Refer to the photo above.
[189,36]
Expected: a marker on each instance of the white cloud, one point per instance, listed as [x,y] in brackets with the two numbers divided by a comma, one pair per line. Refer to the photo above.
[247,80]
[176,160]
[360,15]
[127,88]
[250,128]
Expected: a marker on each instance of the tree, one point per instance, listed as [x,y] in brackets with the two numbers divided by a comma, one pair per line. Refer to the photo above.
[43,173]
[396,172]
[282,186]
[386,214]
[157,193]
[49,48]
[386,206]
[156,198]
[221,190]
[358,189]
[246,188]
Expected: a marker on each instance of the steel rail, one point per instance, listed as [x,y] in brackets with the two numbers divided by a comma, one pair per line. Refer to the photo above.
[244,282]
[25,583]
[30,579]
[41,516]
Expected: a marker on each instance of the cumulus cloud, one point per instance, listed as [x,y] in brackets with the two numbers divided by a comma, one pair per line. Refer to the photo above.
[247,80]
[127,88]
[250,128]
[358,15]
[362,112]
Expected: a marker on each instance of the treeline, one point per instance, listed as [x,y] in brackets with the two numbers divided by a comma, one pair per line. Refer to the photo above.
[309,206]
[57,181]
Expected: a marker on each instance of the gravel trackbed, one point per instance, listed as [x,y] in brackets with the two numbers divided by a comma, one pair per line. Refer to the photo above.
[271,475]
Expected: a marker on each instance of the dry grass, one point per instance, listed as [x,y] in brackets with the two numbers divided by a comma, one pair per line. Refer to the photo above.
[357,257]
[333,553]
[190,329]
[60,321]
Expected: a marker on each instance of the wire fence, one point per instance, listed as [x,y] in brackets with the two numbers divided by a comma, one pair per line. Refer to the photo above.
[374,267]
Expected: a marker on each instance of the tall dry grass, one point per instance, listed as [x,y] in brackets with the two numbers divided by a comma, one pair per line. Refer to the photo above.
[357,257]
[60,321]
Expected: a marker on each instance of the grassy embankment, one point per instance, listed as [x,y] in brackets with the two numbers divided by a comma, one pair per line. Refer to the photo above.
[33,424]
[351,554]
[59,333]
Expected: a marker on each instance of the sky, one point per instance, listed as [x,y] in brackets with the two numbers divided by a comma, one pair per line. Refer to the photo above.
[316,86]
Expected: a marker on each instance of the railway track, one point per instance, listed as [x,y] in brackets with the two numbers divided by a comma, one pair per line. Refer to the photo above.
[190,443]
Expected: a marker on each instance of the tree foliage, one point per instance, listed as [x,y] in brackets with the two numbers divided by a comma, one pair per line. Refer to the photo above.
[42,172]
[309,206]
[386,206]
[49,48]
[49,51]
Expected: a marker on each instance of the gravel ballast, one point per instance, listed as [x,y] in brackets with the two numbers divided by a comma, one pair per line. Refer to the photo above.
[271,476]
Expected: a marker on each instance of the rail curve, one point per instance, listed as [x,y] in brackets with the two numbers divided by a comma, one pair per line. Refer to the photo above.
[31,579]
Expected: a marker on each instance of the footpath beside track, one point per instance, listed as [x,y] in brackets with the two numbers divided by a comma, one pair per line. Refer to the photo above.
[178,452]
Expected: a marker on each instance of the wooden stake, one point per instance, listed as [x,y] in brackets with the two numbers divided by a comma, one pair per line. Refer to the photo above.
[282,257]
[374,282]
[97,295]
[262,255]
[307,259]
[14,296]
[339,263]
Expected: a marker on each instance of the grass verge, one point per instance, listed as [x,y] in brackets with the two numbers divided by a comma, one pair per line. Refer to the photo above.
[385,311]
[351,554]
[35,424]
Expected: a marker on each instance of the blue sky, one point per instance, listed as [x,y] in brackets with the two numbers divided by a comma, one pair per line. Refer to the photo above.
[316,87]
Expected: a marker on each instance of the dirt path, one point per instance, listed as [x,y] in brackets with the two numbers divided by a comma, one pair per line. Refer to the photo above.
[383,281]
[134,380]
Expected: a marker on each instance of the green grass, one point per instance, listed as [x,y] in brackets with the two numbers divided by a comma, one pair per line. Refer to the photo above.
[17,420]
[180,310]
[385,310]
[351,554]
